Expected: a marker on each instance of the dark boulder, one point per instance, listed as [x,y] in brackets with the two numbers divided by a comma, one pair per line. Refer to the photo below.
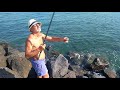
[19,64]
[8,73]
[79,72]
[58,67]
[99,64]
[70,74]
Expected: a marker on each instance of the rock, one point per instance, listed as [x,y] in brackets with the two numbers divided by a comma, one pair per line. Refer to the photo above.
[87,60]
[48,48]
[89,74]
[74,58]
[74,55]
[97,75]
[70,74]
[92,74]
[99,64]
[21,54]
[7,49]
[58,68]
[118,73]
[5,46]
[19,64]
[78,70]
[50,67]
[8,73]
[52,54]
[12,51]
[84,77]
[110,73]
[3,61]
[2,51]
[32,73]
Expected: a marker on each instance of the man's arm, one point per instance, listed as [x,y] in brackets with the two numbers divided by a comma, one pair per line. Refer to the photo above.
[31,53]
[56,39]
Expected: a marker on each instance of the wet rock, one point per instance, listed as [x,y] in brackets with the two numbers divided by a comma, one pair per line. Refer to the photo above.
[111,73]
[73,55]
[89,74]
[99,64]
[118,73]
[97,75]
[74,58]
[92,74]
[48,48]
[84,77]
[87,60]
[8,73]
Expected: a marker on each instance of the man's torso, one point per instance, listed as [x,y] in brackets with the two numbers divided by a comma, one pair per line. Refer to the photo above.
[36,42]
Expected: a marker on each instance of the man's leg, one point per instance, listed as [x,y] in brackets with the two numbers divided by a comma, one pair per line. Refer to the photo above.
[40,69]
[46,76]
[39,76]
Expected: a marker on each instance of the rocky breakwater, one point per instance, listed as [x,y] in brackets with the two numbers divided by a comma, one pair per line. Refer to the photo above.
[13,64]
[76,65]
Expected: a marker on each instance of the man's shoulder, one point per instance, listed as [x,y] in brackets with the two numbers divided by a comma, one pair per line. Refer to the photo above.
[29,40]
[43,34]
[29,37]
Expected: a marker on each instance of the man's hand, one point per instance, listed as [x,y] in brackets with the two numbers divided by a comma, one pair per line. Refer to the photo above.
[42,47]
[66,39]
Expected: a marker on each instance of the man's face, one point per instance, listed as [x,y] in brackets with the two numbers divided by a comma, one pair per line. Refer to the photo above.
[36,28]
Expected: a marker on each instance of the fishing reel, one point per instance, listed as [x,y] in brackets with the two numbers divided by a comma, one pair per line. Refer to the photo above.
[48,47]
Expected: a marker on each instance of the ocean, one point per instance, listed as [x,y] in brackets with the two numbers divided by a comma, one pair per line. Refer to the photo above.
[89,32]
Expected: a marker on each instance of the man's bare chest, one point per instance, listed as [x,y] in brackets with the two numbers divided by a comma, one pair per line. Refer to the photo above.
[36,42]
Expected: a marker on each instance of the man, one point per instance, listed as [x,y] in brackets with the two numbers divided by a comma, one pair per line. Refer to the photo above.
[34,49]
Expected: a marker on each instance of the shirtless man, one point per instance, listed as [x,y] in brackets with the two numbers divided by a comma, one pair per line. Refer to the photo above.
[34,48]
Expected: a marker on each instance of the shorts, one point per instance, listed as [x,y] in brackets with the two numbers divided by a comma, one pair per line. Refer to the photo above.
[39,67]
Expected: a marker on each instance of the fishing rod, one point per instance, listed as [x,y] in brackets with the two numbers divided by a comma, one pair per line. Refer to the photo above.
[49,27]
[48,31]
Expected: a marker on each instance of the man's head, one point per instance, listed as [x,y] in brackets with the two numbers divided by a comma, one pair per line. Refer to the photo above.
[34,25]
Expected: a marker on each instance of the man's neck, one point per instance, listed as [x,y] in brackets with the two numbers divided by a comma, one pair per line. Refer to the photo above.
[36,34]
